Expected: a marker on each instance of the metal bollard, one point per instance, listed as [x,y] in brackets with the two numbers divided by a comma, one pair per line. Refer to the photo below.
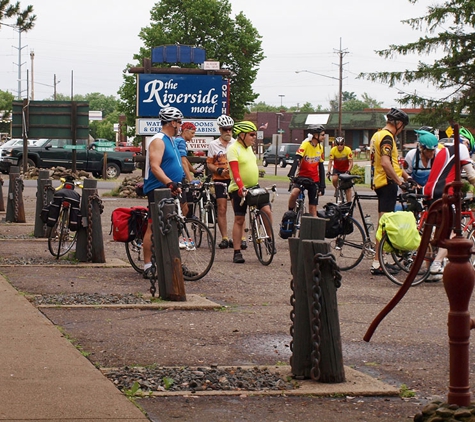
[2,203]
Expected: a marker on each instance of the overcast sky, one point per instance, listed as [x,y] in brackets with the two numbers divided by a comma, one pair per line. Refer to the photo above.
[94,40]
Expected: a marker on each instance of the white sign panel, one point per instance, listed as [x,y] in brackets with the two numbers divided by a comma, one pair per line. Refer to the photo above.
[317,119]
[149,127]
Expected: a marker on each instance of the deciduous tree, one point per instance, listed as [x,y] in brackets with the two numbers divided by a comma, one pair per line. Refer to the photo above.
[24,19]
[234,42]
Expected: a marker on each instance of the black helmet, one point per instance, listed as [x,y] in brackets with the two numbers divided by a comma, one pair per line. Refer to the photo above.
[340,140]
[427,129]
[315,129]
[398,115]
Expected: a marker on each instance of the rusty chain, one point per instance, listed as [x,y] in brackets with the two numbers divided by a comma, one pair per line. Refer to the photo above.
[153,269]
[329,259]
[91,199]
[16,197]
[164,223]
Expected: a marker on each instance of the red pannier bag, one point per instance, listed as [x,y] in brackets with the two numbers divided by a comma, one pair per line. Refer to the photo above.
[128,222]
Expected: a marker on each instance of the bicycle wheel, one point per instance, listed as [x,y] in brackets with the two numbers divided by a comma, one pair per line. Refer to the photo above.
[403,260]
[134,252]
[198,255]
[349,249]
[61,239]
[262,238]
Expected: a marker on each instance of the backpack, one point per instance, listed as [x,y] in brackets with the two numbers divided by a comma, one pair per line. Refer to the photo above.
[401,228]
[287,224]
[126,223]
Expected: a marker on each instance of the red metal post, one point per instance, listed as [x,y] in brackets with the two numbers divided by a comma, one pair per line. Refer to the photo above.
[459,279]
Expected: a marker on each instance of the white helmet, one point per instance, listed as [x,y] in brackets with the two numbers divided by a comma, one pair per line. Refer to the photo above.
[225,121]
[169,114]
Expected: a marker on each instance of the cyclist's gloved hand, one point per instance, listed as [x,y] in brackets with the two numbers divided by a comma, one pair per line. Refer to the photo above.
[198,173]
[411,182]
[329,175]
[242,192]
[173,186]
[321,191]
[220,171]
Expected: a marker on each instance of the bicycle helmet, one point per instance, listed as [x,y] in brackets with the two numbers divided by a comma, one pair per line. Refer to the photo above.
[224,121]
[426,139]
[468,135]
[427,129]
[313,129]
[169,114]
[398,116]
[244,127]
[339,141]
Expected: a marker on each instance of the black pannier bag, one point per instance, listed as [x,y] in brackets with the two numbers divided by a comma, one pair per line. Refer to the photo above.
[334,214]
[50,213]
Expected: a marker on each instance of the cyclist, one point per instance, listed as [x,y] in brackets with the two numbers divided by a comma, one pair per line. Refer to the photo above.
[419,161]
[163,168]
[244,174]
[385,169]
[309,161]
[340,161]
[443,172]
[217,163]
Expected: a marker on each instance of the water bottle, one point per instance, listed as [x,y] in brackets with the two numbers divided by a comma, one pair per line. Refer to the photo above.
[368,222]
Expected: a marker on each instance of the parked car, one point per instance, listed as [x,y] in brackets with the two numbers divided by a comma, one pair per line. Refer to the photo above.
[58,152]
[6,148]
[285,156]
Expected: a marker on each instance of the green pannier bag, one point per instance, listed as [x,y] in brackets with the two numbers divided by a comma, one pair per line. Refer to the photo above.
[401,228]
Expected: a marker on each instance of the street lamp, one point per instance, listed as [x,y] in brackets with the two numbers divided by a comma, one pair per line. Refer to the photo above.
[278,137]
[340,92]
[281,97]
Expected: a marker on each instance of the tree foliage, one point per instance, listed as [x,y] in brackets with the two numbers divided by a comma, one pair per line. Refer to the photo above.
[235,43]
[6,105]
[350,102]
[263,107]
[25,19]
[449,29]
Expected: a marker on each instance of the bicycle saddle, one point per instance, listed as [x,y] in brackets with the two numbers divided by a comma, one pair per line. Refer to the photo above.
[346,177]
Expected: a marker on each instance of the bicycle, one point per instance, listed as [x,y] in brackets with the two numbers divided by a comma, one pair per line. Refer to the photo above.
[61,238]
[204,205]
[405,259]
[353,242]
[262,233]
[300,207]
[197,247]
[401,259]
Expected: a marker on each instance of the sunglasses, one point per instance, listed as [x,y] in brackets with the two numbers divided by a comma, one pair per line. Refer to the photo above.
[252,133]
[226,129]
[178,121]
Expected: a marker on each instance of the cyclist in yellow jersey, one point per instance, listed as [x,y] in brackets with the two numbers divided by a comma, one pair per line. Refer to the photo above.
[387,174]
[244,174]
[340,161]
[309,161]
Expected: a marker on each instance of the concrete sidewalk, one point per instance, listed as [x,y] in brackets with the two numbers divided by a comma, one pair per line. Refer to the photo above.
[43,377]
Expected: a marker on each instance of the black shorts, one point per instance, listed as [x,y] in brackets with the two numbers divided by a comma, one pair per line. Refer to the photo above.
[312,192]
[237,207]
[387,197]
[221,189]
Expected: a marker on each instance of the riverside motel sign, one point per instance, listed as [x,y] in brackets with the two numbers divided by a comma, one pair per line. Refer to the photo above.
[201,99]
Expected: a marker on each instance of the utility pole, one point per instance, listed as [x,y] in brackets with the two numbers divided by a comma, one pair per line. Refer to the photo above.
[341,53]
[32,56]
